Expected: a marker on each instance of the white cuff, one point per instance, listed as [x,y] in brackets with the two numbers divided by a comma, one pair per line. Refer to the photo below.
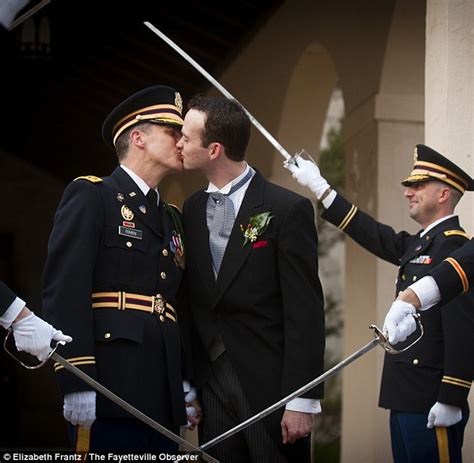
[427,292]
[186,386]
[304,405]
[329,199]
[12,312]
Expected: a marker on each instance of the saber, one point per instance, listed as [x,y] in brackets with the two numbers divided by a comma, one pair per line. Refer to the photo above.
[29,13]
[379,338]
[114,398]
[222,89]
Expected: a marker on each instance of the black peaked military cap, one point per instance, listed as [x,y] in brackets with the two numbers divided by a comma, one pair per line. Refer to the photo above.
[431,165]
[158,104]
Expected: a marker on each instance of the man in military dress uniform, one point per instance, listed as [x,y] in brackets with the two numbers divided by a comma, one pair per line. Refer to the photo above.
[428,385]
[114,267]
[31,333]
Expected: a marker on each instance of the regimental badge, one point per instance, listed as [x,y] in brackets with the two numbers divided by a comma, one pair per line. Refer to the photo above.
[127,213]
[142,208]
[177,248]
[120,197]
[415,154]
[178,101]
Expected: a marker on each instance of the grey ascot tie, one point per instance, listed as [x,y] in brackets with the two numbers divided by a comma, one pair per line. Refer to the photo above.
[220,221]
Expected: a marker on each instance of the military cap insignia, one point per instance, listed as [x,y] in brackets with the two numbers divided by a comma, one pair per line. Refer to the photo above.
[415,154]
[127,213]
[178,101]
[89,178]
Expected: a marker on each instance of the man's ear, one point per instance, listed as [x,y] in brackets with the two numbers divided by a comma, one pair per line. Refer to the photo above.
[445,195]
[136,138]
[216,150]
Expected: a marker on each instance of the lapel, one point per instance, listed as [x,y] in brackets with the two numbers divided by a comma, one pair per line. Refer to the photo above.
[235,253]
[420,245]
[137,202]
[198,233]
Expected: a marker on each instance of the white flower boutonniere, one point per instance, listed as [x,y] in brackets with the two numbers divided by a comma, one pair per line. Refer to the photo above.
[257,225]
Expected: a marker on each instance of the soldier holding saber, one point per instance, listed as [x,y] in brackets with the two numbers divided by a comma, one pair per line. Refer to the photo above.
[425,388]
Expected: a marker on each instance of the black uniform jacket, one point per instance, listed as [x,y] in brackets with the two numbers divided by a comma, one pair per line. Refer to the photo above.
[455,275]
[107,238]
[267,302]
[7,296]
[439,367]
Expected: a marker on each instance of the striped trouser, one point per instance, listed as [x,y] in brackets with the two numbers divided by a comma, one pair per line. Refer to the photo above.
[225,405]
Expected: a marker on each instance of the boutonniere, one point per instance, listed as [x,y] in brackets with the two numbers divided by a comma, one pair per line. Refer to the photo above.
[257,225]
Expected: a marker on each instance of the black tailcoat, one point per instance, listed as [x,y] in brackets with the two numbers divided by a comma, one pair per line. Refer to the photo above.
[439,367]
[135,354]
[267,302]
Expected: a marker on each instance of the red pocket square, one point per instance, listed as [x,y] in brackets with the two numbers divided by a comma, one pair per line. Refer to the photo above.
[259,244]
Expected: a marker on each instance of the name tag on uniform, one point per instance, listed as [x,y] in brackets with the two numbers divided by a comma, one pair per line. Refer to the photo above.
[130,232]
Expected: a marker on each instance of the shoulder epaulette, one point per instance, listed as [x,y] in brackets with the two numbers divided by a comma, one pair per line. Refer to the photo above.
[174,207]
[457,232]
[89,178]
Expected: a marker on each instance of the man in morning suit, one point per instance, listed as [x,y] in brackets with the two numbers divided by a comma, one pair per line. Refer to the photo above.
[114,267]
[31,333]
[255,298]
[426,387]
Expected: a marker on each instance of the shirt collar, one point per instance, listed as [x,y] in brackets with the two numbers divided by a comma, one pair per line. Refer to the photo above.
[139,181]
[226,188]
[436,222]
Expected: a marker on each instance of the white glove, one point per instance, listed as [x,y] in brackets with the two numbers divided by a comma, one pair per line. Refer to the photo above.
[399,322]
[33,335]
[443,415]
[307,174]
[79,408]
[188,398]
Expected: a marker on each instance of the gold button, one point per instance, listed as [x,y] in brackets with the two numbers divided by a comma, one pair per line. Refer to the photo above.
[414,278]
[404,277]
[107,335]
[427,237]
[416,361]
[162,319]
[163,275]
[129,244]
[164,252]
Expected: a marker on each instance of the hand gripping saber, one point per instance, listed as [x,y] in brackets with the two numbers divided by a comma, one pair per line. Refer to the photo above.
[379,339]
[222,89]
[113,397]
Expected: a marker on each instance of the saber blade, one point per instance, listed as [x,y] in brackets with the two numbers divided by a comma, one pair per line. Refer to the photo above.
[130,408]
[219,87]
[331,372]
